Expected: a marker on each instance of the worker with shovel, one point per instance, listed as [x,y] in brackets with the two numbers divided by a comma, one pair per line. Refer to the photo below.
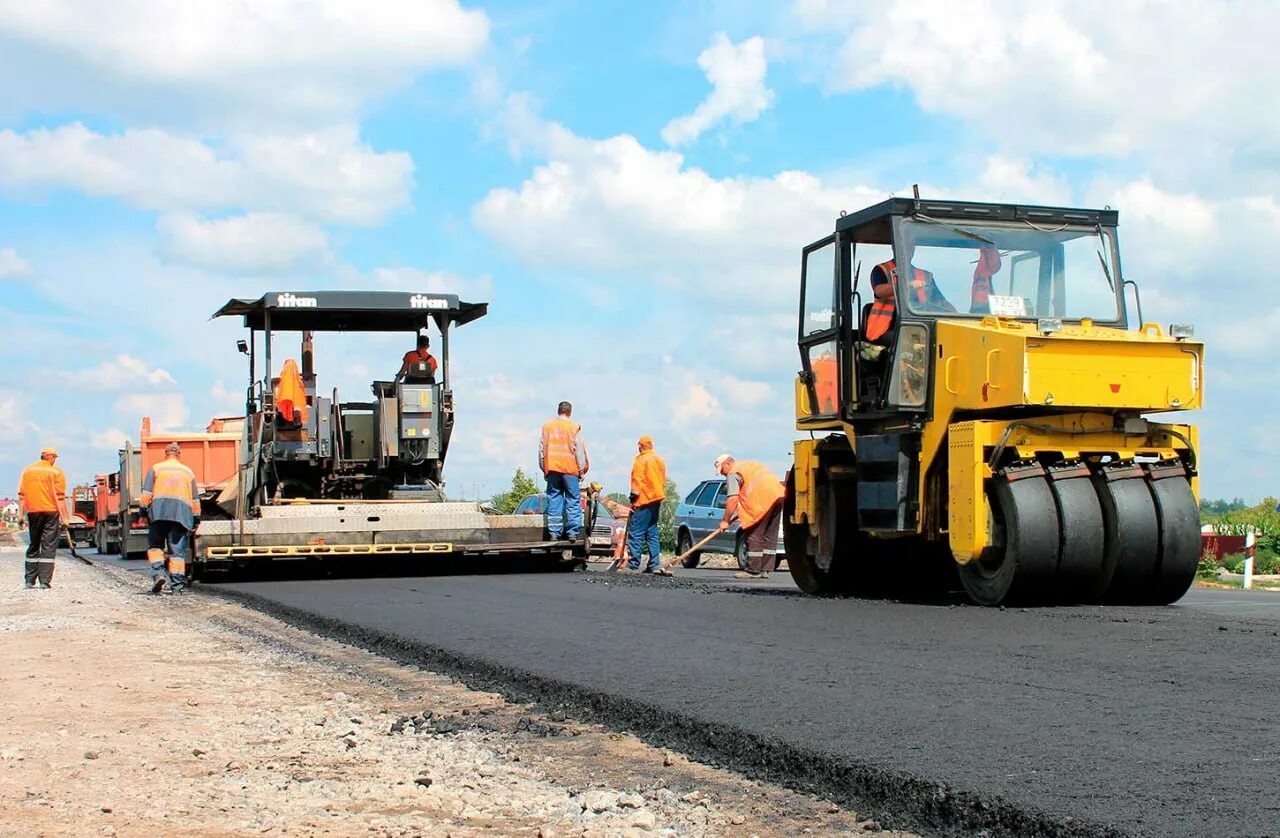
[648,491]
[173,499]
[755,495]
[42,494]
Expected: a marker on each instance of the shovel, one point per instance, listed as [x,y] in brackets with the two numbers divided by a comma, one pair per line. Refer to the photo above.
[695,548]
[622,554]
[66,531]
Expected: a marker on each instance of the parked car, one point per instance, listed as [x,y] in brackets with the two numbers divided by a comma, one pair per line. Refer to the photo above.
[605,536]
[700,513]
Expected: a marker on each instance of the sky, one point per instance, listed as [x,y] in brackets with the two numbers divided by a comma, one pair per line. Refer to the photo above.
[629,186]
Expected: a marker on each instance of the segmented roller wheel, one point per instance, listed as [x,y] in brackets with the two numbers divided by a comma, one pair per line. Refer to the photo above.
[1132,532]
[1179,516]
[1022,565]
[1082,574]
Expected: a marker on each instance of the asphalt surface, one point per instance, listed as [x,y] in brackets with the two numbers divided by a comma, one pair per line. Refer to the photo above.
[1147,721]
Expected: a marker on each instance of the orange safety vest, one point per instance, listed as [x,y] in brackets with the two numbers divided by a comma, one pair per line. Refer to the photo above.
[414,356]
[649,478]
[760,490]
[291,394]
[880,319]
[560,446]
[980,293]
[825,382]
[173,479]
[42,487]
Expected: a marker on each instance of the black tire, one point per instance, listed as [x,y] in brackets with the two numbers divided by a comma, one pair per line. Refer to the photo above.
[805,571]
[683,542]
[1020,566]
[1179,539]
[1082,573]
[740,550]
[1133,537]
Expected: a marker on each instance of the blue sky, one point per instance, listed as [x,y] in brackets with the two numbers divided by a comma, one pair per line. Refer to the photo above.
[628,184]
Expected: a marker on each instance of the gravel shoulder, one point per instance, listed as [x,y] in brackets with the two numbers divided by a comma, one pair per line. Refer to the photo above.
[130,714]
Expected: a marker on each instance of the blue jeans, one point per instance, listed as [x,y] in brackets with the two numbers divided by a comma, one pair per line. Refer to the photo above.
[644,530]
[563,502]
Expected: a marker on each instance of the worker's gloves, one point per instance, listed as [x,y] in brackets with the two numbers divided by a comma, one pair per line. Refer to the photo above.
[870,351]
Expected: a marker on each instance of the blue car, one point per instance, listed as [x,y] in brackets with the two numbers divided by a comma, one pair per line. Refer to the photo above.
[700,513]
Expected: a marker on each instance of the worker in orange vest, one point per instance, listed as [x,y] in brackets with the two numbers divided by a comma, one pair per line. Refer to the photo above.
[562,456]
[754,494]
[648,491]
[419,365]
[172,498]
[924,295]
[42,496]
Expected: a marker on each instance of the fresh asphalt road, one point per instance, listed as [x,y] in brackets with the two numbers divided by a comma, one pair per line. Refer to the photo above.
[1157,721]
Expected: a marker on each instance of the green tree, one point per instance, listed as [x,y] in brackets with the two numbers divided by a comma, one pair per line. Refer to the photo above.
[667,519]
[522,486]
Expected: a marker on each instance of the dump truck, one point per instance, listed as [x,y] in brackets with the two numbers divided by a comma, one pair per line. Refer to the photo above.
[328,477]
[83,513]
[213,455]
[985,413]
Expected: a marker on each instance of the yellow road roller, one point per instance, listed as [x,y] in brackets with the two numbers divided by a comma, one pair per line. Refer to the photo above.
[975,385]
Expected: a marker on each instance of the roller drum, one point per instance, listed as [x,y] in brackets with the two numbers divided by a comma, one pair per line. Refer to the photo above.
[1082,571]
[1132,532]
[1179,516]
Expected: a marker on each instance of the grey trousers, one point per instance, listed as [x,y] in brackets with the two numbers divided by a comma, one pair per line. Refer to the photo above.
[44,530]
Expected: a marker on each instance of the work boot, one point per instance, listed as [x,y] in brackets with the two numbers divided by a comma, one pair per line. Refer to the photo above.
[158,585]
[750,574]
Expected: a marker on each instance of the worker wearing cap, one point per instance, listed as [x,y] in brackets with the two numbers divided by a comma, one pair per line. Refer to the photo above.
[410,368]
[754,494]
[562,456]
[648,491]
[173,500]
[42,496]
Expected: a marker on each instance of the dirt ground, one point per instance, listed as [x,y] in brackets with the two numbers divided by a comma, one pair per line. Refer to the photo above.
[130,714]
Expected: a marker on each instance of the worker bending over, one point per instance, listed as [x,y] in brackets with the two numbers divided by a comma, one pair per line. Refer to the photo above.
[754,494]
[419,366]
[173,500]
[648,491]
[562,456]
[42,494]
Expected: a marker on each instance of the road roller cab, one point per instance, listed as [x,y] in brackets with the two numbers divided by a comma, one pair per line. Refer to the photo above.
[976,401]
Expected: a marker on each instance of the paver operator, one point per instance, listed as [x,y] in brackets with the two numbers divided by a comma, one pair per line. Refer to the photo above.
[562,456]
[419,365]
[648,491]
[754,494]
[42,496]
[172,497]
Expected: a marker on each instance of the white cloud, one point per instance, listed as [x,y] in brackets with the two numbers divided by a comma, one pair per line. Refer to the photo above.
[743,393]
[268,60]
[695,403]
[252,243]
[111,439]
[329,175]
[471,289]
[120,373]
[11,264]
[614,204]
[1078,77]
[737,74]
[168,411]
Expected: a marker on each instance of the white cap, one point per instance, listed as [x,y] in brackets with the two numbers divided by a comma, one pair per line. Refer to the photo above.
[720,461]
